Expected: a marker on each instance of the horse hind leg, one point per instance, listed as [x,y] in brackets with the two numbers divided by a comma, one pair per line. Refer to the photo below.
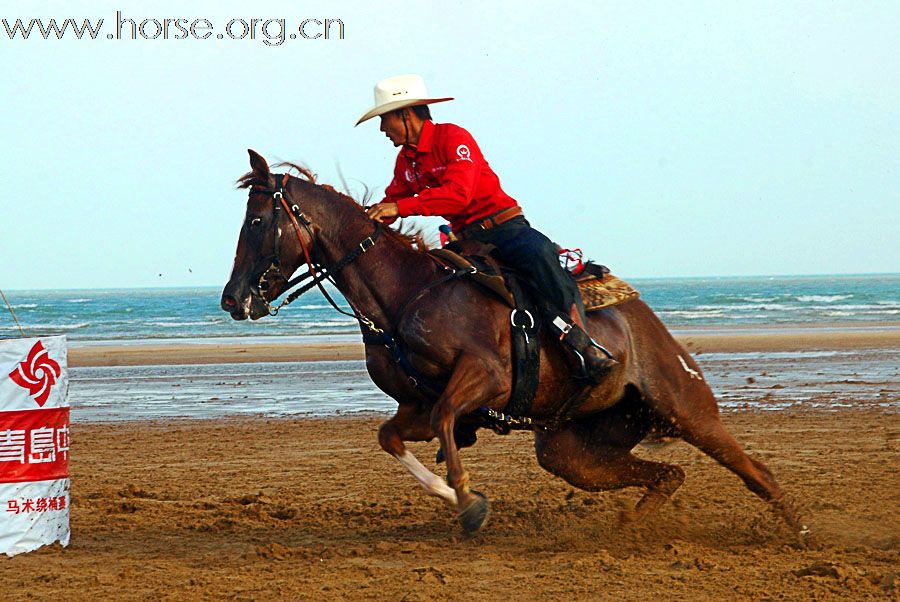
[702,428]
[597,457]
[719,444]
[669,478]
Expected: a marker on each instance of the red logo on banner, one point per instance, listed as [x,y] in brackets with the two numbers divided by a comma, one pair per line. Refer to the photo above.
[38,374]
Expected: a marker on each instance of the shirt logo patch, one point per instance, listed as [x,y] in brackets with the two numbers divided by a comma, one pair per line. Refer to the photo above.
[462,151]
[408,175]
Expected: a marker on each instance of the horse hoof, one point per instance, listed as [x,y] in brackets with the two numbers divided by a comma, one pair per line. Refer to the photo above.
[647,505]
[473,516]
[627,516]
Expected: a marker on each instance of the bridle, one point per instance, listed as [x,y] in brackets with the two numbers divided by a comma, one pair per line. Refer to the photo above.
[372,334]
[315,270]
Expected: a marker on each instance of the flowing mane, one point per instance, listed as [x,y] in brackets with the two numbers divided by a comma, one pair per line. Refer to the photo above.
[409,235]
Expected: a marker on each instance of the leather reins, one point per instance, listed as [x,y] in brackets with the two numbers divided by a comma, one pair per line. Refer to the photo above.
[314,270]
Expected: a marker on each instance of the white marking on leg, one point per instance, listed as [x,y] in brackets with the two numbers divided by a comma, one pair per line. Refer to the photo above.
[432,483]
[689,370]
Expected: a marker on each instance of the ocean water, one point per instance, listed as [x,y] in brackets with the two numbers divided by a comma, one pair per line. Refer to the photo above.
[194,313]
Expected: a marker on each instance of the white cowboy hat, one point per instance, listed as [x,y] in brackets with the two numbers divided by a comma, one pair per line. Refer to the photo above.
[397,92]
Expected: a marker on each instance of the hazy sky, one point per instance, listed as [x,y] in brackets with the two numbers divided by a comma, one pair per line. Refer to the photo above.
[665,139]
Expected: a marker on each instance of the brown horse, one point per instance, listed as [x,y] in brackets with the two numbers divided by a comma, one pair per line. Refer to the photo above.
[458,334]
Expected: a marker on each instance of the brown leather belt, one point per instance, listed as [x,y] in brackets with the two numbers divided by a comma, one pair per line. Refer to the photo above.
[491,221]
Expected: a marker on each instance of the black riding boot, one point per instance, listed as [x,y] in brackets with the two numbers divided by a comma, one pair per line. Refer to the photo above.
[593,360]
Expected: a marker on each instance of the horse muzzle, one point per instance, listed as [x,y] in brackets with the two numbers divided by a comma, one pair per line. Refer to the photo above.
[242,306]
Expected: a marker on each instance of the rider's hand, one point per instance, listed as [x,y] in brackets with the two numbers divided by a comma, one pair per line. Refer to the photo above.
[382,211]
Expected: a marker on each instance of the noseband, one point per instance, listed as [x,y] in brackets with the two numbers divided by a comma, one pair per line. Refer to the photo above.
[316,271]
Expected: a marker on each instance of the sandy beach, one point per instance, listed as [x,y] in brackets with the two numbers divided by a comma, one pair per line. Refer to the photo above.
[256,509]
[306,508]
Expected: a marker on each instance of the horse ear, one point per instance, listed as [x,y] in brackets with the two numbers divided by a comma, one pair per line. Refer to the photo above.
[258,165]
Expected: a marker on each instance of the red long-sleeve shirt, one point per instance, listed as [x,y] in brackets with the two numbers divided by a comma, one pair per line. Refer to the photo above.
[446,175]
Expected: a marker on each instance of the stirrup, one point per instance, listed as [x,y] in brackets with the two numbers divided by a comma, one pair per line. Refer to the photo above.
[580,339]
[603,350]
[582,364]
[586,374]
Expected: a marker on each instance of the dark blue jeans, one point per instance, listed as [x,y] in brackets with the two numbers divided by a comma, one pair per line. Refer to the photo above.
[536,257]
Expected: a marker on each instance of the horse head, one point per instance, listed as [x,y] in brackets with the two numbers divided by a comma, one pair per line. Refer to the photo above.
[270,246]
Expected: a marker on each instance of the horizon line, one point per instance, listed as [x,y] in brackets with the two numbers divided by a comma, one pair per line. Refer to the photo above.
[634,278]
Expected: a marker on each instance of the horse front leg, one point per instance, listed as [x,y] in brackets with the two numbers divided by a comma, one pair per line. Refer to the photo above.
[411,423]
[476,381]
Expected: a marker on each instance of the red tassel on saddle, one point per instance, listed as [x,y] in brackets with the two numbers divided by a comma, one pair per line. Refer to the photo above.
[571,260]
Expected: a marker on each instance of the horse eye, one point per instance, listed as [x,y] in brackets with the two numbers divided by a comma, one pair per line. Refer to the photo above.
[255,222]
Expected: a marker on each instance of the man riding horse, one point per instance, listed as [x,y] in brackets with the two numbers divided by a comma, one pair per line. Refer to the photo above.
[441,171]
[455,335]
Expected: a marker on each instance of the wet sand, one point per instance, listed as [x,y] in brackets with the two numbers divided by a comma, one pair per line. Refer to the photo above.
[174,353]
[263,509]
[771,380]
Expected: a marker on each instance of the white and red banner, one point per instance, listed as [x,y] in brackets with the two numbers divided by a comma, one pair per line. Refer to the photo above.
[34,444]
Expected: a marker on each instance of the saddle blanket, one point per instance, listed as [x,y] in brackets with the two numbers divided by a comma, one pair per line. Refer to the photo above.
[597,293]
